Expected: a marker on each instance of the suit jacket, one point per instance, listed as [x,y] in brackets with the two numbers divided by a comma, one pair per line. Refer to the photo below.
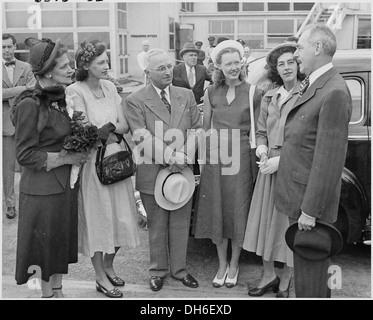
[32,147]
[149,120]
[23,79]
[180,79]
[314,150]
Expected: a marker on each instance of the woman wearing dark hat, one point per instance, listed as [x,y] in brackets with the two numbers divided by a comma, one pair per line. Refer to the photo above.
[266,227]
[226,188]
[47,226]
[107,213]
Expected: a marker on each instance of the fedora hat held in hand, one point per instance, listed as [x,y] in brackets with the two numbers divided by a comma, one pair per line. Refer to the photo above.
[189,46]
[174,190]
[319,243]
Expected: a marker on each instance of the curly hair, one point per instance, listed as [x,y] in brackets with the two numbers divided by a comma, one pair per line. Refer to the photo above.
[87,52]
[218,76]
[271,68]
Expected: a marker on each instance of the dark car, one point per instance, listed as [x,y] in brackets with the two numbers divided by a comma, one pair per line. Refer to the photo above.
[354,208]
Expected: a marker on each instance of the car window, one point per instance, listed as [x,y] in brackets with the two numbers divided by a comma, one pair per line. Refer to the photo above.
[356,87]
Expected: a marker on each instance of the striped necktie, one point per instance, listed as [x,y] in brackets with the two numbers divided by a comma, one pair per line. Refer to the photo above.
[304,85]
[165,101]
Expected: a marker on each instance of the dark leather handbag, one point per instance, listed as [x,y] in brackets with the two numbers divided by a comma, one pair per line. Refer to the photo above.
[115,167]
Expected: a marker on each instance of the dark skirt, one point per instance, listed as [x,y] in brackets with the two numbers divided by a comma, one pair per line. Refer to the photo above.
[47,237]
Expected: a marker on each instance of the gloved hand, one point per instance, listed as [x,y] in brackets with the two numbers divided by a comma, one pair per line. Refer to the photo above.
[55,159]
[270,166]
[261,149]
[105,130]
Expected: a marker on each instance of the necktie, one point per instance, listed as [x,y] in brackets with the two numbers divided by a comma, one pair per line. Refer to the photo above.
[165,101]
[7,64]
[304,85]
[191,78]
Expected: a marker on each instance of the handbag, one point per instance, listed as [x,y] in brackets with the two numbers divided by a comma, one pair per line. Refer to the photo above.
[115,167]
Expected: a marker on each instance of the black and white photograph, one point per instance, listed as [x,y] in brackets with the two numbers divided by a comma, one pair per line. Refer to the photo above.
[199,151]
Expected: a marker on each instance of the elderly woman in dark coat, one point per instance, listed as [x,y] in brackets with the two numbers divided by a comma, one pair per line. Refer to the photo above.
[47,226]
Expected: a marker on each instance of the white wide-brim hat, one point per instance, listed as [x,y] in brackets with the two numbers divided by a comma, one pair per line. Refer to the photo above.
[174,190]
[224,45]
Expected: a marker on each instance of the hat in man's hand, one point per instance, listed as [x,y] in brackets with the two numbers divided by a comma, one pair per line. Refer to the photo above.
[174,190]
[321,242]
[189,46]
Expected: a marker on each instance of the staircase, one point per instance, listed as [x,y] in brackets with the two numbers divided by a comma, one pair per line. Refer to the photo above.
[332,15]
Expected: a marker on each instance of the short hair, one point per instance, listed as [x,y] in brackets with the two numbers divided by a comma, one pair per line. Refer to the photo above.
[325,35]
[145,42]
[152,53]
[292,39]
[9,36]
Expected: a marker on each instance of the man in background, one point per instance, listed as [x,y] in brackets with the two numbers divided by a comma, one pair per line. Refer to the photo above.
[17,77]
[201,56]
[141,57]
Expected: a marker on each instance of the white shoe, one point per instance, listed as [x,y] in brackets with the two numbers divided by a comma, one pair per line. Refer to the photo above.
[217,283]
[231,282]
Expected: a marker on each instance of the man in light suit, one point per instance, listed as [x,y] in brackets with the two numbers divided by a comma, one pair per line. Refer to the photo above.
[314,151]
[151,112]
[189,74]
[17,77]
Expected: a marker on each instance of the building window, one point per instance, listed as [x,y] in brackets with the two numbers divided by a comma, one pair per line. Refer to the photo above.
[61,19]
[228,6]
[221,27]
[22,50]
[171,23]
[122,16]
[252,32]
[364,34]
[303,6]
[93,18]
[278,6]
[252,6]
[100,36]
[278,31]
[187,7]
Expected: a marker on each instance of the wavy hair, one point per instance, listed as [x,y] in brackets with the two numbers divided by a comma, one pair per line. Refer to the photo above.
[87,52]
[271,68]
[218,76]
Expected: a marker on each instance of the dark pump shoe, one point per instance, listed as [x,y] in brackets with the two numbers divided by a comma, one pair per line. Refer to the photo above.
[11,212]
[258,292]
[156,283]
[116,281]
[188,281]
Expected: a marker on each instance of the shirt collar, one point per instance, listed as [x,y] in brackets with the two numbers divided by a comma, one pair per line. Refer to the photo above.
[319,72]
[167,90]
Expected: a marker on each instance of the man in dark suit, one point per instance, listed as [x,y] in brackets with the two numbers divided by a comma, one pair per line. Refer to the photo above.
[153,111]
[201,56]
[314,151]
[189,74]
[17,77]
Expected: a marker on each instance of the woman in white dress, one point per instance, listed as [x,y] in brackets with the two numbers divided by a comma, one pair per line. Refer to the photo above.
[107,213]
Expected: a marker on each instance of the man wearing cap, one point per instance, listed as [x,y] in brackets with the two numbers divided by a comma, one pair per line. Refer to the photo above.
[313,154]
[17,77]
[154,111]
[209,49]
[189,74]
[201,56]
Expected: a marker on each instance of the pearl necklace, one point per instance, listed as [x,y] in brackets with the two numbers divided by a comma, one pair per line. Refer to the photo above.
[100,95]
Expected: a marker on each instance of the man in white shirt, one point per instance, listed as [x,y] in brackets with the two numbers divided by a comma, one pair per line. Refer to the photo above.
[17,77]
[141,56]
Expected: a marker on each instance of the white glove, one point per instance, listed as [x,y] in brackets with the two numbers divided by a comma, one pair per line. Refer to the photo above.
[261,149]
[270,166]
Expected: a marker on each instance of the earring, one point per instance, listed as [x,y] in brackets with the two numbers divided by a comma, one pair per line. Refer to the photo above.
[48,76]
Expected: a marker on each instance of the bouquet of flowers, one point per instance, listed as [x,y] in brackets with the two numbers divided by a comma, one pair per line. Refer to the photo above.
[84,137]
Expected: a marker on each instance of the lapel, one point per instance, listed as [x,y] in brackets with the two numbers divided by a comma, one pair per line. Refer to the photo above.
[319,83]
[18,70]
[184,74]
[6,79]
[155,104]
[177,107]
[293,94]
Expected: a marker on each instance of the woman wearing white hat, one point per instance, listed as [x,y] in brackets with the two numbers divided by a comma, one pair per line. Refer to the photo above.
[265,230]
[226,189]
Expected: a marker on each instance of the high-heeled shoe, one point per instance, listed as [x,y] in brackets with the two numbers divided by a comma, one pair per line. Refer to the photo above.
[217,283]
[283,294]
[116,281]
[114,293]
[231,282]
[258,292]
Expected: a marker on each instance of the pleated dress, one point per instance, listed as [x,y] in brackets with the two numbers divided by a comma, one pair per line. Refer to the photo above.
[226,187]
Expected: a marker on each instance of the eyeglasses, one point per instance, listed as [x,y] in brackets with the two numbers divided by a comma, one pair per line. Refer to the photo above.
[163,68]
